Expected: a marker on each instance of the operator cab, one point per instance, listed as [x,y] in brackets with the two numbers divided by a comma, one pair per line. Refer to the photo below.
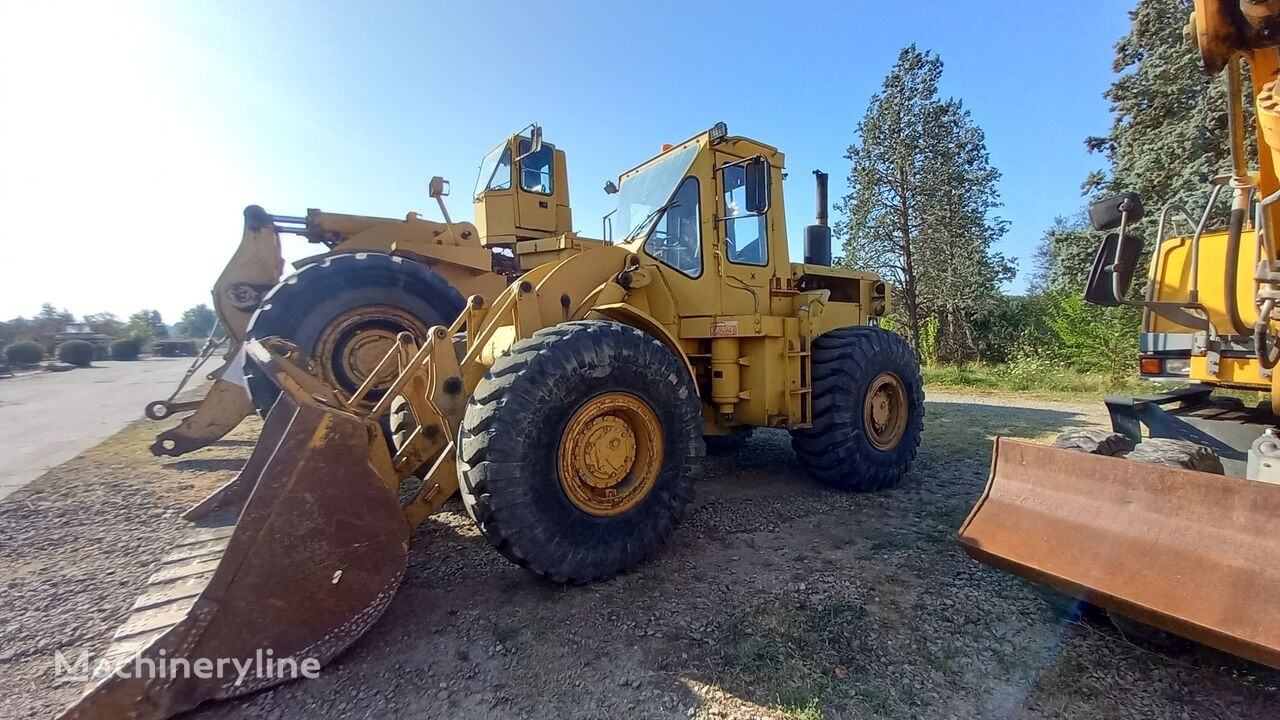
[705,205]
[522,191]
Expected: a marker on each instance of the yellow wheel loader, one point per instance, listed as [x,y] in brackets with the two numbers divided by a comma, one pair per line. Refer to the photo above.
[377,278]
[1172,519]
[569,412]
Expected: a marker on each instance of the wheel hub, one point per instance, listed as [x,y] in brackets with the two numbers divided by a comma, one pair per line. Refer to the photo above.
[610,454]
[885,411]
[606,452]
[351,345]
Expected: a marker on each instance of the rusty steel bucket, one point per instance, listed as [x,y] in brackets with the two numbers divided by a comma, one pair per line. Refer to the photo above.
[290,562]
[1188,552]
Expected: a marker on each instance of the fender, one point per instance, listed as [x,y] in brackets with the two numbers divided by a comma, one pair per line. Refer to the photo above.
[641,320]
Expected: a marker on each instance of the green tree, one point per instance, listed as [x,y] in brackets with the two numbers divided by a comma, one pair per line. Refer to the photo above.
[1065,256]
[49,322]
[146,325]
[196,322]
[105,323]
[1095,339]
[920,209]
[1169,136]
[1169,119]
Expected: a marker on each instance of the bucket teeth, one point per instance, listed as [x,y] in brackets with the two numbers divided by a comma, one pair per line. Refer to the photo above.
[292,561]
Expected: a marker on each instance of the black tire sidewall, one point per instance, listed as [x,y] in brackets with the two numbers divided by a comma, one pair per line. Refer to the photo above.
[535,522]
[837,448]
[893,355]
[300,307]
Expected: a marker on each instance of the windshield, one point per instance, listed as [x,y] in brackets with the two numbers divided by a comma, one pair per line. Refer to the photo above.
[643,195]
[495,170]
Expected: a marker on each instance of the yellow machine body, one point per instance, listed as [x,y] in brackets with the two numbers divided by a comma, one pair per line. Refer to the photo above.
[522,219]
[743,331]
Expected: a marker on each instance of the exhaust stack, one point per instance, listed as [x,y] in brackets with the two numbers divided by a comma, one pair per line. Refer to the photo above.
[817,238]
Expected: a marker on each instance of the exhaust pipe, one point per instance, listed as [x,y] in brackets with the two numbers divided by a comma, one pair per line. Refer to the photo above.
[817,238]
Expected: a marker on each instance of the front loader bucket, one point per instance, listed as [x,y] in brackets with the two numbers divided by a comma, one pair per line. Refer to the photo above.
[1188,552]
[285,567]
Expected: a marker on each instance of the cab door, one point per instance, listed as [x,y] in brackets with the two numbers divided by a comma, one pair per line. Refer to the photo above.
[536,180]
[744,232]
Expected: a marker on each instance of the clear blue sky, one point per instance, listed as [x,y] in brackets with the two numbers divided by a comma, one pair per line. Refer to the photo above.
[135,132]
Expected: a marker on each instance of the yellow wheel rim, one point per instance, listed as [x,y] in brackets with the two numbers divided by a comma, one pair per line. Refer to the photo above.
[610,454]
[352,344]
[884,413]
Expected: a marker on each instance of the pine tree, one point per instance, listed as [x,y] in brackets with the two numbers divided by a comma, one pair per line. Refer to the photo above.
[1169,130]
[1064,256]
[919,212]
[1169,136]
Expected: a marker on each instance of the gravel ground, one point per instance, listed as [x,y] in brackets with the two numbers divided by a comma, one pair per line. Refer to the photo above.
[777,598]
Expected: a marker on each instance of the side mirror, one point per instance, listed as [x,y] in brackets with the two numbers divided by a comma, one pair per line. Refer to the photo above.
[1113,269]
[1115,211]
[535,141]
[438,187]
[757,182]
[610,188]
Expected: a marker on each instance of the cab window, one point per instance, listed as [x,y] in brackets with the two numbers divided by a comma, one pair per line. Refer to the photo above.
[676,238]
[536,169]
[495,170]
[744,234]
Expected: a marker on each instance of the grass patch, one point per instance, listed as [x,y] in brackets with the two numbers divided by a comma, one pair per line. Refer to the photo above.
[809,711]
[805,657]
[966,376]
[1054,381]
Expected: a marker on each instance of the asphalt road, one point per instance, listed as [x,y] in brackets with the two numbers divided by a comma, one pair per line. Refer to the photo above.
[48,418]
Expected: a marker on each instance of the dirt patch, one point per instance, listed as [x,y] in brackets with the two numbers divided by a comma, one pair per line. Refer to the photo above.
[777,598]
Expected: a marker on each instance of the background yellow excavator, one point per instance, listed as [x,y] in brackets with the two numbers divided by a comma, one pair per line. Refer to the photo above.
[1177,527]
[377,277]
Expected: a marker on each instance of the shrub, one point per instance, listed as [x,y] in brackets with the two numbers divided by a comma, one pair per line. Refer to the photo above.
[126,349]
[1100,340]
[76,352]
[24,352]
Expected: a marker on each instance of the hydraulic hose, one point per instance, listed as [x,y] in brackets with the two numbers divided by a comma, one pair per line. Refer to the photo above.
[1235,229]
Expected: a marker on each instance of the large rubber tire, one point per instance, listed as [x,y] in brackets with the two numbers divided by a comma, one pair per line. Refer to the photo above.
[836,449]
[303,304]
[1177,453]
[511,437]
[1094,442]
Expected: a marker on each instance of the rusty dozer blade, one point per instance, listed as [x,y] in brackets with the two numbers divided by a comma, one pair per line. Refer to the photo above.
[290,562]
[1191,553]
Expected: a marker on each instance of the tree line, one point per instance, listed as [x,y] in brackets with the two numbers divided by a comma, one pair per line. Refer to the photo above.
[923,205]
[147,325]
